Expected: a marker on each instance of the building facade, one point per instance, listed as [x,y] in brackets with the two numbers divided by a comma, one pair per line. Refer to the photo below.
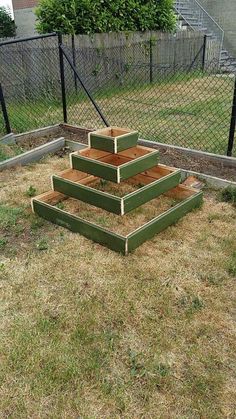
[24,16]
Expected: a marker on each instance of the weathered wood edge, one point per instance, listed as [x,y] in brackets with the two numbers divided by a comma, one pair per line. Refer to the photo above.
[33,155]
[160,223]
[37,132]
[76,224]
[8,139]
[74,145]
[225,160]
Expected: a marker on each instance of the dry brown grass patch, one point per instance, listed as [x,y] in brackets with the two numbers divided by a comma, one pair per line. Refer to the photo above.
[86,332]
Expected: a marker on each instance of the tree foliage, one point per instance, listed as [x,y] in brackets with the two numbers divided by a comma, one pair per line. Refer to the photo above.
[7,25]
[91,16]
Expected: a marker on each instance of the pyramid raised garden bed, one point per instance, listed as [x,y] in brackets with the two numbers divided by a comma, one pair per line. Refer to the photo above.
[143,196]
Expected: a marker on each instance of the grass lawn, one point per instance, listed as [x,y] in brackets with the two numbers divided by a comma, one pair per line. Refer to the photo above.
[88,333]
[186,110]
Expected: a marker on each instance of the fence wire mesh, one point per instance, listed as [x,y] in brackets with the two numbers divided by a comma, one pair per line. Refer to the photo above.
[30,76]
[171,89]
[186,103]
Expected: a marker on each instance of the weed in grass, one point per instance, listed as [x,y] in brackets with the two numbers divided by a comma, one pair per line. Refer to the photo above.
[18,229]
[103,182]
[191,303]
[10,215]
[136,368]
[232,265]
[102,221]
[3,155]
[60,205]
[213,279]
[42,245]
[214,217]
[31,191]
[162,370]
[229,195]
[3,243]
[36,224]
[196,304]
[2,266]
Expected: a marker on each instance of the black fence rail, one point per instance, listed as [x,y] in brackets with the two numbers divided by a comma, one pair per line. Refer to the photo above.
[169,88]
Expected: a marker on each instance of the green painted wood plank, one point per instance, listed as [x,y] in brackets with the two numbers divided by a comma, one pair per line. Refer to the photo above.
[94,167]
[101,143]
[87,194]
[163,221]
[78,225]
[139,165]
[151,191]
[127,141]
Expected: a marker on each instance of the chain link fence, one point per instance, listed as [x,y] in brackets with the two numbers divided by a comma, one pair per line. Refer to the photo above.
[168,87]
[30,78]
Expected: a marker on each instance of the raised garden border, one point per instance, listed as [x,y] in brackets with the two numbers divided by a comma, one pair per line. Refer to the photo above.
[76,185]
[42,206]
[33,155]
[92,161]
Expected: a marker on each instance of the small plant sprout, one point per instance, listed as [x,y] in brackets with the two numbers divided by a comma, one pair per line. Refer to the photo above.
[31,191]
[42,245]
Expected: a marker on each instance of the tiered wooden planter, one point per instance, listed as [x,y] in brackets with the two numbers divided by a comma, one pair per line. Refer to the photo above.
[115,156]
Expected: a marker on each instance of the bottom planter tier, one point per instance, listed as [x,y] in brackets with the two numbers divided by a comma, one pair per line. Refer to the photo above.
[122,234]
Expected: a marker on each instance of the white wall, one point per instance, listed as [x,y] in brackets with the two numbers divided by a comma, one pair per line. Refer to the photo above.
[8,4]
[25,20]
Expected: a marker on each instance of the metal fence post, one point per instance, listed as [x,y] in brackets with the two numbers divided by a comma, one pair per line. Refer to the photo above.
[4,111]
[232,123]
[204,52]
[150,61]
[74,58]
[62,75]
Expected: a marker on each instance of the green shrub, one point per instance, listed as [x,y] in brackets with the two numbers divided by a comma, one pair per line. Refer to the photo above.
[96,16]
[7,25]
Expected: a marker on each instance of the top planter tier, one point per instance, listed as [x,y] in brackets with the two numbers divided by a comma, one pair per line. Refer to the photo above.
[113,139]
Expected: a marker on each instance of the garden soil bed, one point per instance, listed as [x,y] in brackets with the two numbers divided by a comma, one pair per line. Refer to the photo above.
[202,165]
